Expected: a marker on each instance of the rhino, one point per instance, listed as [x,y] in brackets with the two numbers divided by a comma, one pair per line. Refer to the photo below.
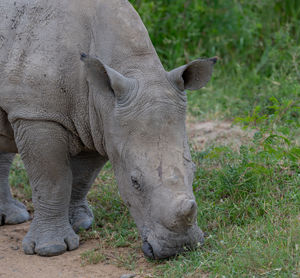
[80,85]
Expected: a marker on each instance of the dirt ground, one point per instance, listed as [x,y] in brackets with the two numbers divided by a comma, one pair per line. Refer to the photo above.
[202,134]
[14,264]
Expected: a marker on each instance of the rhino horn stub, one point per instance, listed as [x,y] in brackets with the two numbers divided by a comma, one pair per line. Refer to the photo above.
[187,211]
[99,72]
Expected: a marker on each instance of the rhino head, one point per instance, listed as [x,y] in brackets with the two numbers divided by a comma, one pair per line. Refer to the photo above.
[144,135]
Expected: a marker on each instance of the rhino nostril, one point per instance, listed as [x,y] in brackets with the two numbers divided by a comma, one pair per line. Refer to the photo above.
[193,205]
[148,250]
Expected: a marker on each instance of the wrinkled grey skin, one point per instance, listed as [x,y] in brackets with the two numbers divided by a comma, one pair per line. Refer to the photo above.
[68,114]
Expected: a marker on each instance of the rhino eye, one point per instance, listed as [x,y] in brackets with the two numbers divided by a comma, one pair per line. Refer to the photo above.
[135,183]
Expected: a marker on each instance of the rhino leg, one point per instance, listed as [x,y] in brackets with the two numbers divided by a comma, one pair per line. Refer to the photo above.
[11,210]
[85,168]
[44,149]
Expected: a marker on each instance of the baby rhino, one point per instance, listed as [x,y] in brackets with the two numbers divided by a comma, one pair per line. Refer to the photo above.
[80,85]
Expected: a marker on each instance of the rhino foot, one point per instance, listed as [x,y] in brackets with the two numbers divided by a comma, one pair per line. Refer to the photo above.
[13,212]
[49,241]
[81,217]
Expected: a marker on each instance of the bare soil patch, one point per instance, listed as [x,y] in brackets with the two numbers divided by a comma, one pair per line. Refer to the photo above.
[206,133]
[15,264]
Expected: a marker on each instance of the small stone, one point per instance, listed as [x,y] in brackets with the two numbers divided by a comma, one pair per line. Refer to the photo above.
[15,248]
[128,276]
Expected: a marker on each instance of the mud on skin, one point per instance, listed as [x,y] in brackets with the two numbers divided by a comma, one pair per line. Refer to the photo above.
[68,113]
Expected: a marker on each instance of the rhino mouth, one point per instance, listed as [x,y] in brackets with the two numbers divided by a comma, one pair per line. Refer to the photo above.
[164,252]
[167,253]
[170,244]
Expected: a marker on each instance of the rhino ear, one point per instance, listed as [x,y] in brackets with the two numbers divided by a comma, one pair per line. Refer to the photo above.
[194,75]
[104,76]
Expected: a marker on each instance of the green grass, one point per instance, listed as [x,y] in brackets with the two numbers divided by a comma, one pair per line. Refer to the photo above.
[248,199]
[93,256]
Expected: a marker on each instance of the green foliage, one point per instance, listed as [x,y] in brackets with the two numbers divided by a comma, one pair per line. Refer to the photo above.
[275,131]
[238,188]
[18,180]
[92,257]
[230,29]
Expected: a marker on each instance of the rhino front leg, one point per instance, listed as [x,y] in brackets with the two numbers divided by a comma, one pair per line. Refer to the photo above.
[85,168]
[44,149]
[11,210]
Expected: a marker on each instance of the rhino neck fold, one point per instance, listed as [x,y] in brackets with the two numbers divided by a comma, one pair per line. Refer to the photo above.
[96,122]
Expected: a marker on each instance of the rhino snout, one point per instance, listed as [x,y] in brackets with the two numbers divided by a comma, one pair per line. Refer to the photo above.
[162,243]
[183,214]
[148,250]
